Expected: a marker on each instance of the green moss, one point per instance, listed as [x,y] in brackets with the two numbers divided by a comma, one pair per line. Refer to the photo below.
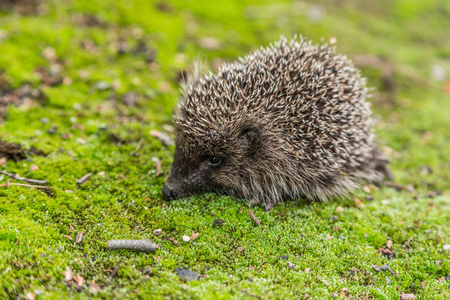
[38,230]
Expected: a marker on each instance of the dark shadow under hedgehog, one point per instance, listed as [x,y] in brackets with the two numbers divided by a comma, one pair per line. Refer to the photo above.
[287,121]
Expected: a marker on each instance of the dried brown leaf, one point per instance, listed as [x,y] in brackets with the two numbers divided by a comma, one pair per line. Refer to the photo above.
[94,288]
[389,244]
[68,274]
[194,235]
[79,280]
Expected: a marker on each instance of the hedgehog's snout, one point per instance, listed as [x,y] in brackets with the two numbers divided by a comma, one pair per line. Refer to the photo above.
[168,192]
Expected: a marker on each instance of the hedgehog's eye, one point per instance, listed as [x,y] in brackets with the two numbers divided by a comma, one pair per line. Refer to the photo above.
[214,161]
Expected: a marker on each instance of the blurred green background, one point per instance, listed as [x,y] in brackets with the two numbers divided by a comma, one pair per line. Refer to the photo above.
[91,83]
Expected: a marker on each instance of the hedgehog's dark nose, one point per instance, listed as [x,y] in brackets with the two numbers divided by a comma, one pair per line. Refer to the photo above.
[168,193]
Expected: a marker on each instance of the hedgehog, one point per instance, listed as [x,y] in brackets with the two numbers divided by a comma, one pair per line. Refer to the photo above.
[287,121]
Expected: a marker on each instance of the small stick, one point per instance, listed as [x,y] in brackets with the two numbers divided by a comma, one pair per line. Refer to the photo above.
[158,165]
[83,179]
[140,245]
[250,295]
[254,218]
[7,184]
[138,147]
[114,272]
[14,176]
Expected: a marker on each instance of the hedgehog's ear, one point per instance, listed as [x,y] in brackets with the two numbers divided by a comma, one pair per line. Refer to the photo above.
[250,139]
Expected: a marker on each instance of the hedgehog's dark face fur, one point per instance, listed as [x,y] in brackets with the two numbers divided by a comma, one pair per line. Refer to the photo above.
[209,166]
[288,121]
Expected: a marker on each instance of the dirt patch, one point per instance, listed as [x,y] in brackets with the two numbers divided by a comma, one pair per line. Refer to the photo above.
[15,152]
[23,7]
[24,95]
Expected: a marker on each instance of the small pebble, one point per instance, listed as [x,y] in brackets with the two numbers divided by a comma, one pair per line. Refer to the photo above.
[157,231]
[284,257]
[369,198]
[384,268]
[290,265]
[45,120]
[376,268]
[38,292]
[186,274]
[307,270]
[102,85]
[186,238]
[184,287]
[388,280]
[218,222]
[446,247]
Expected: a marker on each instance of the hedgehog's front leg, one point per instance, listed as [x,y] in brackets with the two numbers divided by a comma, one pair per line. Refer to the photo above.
[269,205]
[254,201]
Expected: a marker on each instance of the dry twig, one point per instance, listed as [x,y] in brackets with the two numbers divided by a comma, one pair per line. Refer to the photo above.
[83,179]
[7,184]
[140,245]
[14,176]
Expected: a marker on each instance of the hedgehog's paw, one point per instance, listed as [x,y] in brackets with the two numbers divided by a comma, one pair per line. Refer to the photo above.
[254,202]
[268,206]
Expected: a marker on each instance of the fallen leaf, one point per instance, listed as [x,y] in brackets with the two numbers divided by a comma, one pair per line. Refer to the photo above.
[30,296]
[339,209]
[389,244]
[194,235]
[404,296]
[330,237]
[68,274]
[252,267]
[94,288]
[79,280]
[358,203]
[366,189]
[324,281]
[240,249]
[34,168]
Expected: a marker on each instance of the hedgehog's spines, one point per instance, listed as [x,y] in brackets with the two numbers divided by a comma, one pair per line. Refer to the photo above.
[309,105]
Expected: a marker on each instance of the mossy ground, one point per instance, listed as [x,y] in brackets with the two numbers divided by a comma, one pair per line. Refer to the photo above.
[37,230]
